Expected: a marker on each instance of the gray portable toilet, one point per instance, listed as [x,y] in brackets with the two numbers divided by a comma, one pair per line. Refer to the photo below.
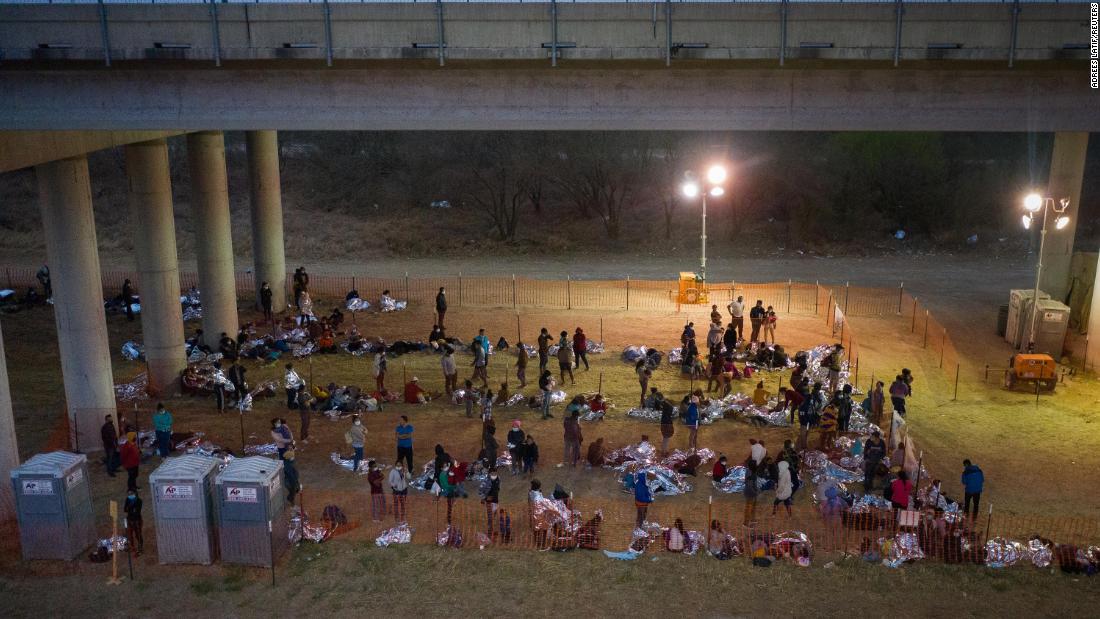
[1019,304]
[252,523]
[53,502]
[183,505]
[1050,331]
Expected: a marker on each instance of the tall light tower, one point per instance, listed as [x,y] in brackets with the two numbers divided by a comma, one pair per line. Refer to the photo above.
[714,187]
[1034,203]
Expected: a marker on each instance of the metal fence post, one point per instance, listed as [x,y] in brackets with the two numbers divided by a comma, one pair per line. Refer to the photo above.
[914,327]
[460,288]
[216,35]
[628,299]
[513,291]
[104,33]
[943,345]
[901,294]
[406,286]
[925,345]
[568,292]
[817,295]
[846,288]
[789,296]
[956,397]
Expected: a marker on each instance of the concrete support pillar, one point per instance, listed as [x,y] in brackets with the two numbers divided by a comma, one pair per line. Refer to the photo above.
[1067,172]
[214,241]
[9,450]
[158,265]
[267,216]
[66,200]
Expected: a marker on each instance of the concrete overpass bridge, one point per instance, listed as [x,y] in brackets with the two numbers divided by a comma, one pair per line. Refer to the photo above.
[75,78]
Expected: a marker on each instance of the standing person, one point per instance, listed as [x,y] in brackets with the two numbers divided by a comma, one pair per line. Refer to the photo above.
[515,439]
[667,427]
[481,365]
[304,401]
[874,450]
[469,397]
[729,338]
[844,408]
[380,370]
[356,436]
[301,285]
[833,362]
[290,476]
[715,315]
[573,439]
[643,372]
[809,413]
[291,383]
[377,498]
[521,364]
[219,380]
[236,376]
[899,390]
[43,277]
[130,456]
[973,481]
[737,316]
[544,349]
[750,492]
[265,301]
[128,299]
[399,480]
[482,342]
[530,455]
[692,422]
[132,507]
[546,386]
[784,488]
[756,317]
[162,424]
[281,435]
[109,435]
[900,491]
[642,497]
[580,348]
[828,423]
[714,338]
[450,370]
[770,319]
[687,334]
[565,358]
[404,433]
[492,499]
[441,306]
[878,403]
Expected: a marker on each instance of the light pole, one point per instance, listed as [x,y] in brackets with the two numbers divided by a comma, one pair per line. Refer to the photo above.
[1034,203]
[715,179]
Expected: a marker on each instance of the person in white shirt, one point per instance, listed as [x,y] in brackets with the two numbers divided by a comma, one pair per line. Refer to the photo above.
[399,480]
[737,316]
[293,381]
[450,370]
[757,450]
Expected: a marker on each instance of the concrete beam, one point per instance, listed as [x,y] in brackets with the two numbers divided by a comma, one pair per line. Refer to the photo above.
[268,250]
[693,97]
[154,237]
[9,448]
[214,241]
[23,149]
[66,200]
[1067,173]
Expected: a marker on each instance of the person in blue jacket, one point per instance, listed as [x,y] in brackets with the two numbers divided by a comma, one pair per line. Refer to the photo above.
[642,497]
[973,480]
[692,422]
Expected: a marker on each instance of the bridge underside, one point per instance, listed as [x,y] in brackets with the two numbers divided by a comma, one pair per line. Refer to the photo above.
[407,95]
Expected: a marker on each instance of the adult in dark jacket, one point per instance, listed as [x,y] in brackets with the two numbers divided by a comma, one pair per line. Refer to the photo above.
[492,498]
[874,450]
[265,301]
[132,509]
[642,497]
[973,481]
[109,435]
[128,299]
[290,476]
[441,305]
[515,439]
[441,458]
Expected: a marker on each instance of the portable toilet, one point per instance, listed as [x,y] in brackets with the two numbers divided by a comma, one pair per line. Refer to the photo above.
[1016,328]
[183,506]
[53,503]
[252,523]
[692,289]
[1050,331]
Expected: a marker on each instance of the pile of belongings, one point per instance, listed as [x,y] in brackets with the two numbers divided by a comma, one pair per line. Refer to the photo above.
[652,356]
[766,548]
[132,351]
[356,304]
[559,526]
[265,389]
[903,547]
[200,378]
[137,389]
[389,304]
[198,444]
[400,534]
[590,347]
[1001,552]
[302,529]
[769,357]
[346,463]
[192,305]
[663,476]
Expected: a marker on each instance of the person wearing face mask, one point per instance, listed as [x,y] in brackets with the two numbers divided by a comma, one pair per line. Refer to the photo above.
[492,498]
[280,433]
[356,436]
[399,480]
[132,507]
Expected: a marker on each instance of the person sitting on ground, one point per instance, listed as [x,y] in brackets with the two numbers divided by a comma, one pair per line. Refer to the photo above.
[387,303]
[502,395]
[596,454]
[720,469]
[336,318]
[326,344]
[760,395]
[653,400]
[414,394]
[437,339]
[352,294]
[598,405]
[690,465]
[676,536]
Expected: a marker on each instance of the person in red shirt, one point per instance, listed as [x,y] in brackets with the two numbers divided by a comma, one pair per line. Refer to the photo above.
[720,469]
[580,348]
[789,399]
[377,498]
[130,456]
[414,394]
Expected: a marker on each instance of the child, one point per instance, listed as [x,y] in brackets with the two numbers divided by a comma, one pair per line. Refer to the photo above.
[530,454]
[469,398]
[487,406]
[521,364]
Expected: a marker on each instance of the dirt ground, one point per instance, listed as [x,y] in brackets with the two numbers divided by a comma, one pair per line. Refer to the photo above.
[992,427]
